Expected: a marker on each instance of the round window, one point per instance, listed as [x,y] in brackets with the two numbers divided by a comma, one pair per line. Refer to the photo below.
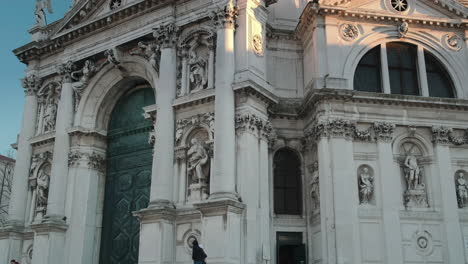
[114,4]
[400,5]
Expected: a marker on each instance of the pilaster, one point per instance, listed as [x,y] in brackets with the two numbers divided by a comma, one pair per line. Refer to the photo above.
[445,174]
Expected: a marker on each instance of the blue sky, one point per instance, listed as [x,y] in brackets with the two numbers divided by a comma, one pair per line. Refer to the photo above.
[16,17]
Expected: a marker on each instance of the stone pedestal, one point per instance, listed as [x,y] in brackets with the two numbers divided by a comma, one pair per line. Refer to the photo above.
[221,228]
[156,236]
[198,192]
[49,241]
[416,198]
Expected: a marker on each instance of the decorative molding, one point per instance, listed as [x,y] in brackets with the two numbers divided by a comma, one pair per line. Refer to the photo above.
[166,35]
[225,17]
[332,127]
[384,131]
[93,160]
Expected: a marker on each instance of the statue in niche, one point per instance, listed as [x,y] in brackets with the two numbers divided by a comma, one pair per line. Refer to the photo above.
[50,113]
[42,191]
[366,185]
[462,189]
[415,195]
[315,187]
[198,166]
[198,72]
[197,160]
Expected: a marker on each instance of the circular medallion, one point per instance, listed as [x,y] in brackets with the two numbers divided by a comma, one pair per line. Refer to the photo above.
[349,32]
[189,237]
[258,44]
[422,241]
[400,5]
[453,41]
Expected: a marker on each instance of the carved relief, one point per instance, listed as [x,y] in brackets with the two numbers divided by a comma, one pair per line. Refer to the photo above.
[366,184]
[384,131]
[403,29]
[461,186]
[257,43]
[48,98]
[39,181]
[422,242]
[252,123]
[196,63]
[453,41]
[150,51]
[415,195]
[349,32]
[444,135]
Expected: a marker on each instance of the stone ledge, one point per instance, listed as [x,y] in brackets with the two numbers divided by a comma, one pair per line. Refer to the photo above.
[49,227]
[220,207]
[149,215]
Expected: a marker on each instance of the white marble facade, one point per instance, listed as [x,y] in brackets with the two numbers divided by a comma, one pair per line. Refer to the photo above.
[379,176]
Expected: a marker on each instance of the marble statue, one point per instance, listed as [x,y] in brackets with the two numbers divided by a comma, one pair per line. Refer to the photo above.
[366,186]
[462,189]
[81,77]
[50,113]
[40,12]
[198,72]
[315,187]
[197,159]
[412,173]
[43,179]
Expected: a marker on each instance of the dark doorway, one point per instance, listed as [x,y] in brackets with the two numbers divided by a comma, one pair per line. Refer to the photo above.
[128,178]
[290,249]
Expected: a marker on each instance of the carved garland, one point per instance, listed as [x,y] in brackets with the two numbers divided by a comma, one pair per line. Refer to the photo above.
[445,135]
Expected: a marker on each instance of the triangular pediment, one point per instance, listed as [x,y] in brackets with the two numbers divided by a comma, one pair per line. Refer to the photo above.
[81,12]
[441,9]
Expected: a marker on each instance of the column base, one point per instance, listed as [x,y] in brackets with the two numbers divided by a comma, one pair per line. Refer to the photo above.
[161,204]
[224,196]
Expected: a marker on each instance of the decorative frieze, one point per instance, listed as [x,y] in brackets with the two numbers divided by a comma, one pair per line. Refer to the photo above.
[445,135]
[384,131]
[332,128]
[166,35]
[225,17]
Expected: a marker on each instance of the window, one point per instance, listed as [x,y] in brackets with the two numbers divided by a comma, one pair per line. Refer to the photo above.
[402,61]
[287,183]
[405,72]
[438,80]
[367,77]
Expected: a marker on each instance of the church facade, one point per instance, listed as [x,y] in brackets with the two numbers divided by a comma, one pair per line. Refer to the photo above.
[272,131]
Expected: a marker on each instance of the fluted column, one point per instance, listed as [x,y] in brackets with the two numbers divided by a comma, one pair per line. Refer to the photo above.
[59,171]
[223,182]
[163,160]
[19,192]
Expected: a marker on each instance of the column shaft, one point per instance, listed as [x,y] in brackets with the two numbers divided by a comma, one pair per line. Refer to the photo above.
[59,171]
[163,161]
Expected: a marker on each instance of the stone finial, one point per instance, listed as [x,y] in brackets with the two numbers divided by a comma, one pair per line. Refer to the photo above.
[166,35]
[225,17]
[384,131]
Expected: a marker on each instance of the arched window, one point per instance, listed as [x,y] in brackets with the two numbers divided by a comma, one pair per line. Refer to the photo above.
[287,182]
[410,70]
[438,79]
[367,77]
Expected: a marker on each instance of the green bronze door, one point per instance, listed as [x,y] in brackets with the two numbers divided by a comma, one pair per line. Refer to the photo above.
[128,178]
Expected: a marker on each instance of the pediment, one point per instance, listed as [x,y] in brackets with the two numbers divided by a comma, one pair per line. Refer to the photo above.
[81,12]
[441,9]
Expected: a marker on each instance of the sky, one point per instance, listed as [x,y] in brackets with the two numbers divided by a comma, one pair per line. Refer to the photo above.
[16,18]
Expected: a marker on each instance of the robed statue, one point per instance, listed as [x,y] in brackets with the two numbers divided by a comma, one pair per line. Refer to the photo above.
[41,7]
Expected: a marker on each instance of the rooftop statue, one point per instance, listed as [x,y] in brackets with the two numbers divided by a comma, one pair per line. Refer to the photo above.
[40,13]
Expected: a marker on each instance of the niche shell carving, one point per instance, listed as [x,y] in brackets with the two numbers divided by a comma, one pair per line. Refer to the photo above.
[349,32]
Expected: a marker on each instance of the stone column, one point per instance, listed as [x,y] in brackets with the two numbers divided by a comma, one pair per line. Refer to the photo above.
[264,193]
[391,192]
[163,161]
[211,66]
[19,192]
[87,165]
[59,171]
[223,181]
[345,191]
[446,176]
[10,235]
[423,85]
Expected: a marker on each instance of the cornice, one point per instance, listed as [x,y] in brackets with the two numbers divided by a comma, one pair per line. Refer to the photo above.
[42,140]
[202,97]
[313,10]
[35,50]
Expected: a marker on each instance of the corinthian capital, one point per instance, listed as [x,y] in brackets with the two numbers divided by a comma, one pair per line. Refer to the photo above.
[226,17]
[441,135]
[384,131]
[31,84]
[65,70]
[166,35]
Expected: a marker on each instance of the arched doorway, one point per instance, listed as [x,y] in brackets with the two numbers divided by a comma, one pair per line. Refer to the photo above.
[128,177]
